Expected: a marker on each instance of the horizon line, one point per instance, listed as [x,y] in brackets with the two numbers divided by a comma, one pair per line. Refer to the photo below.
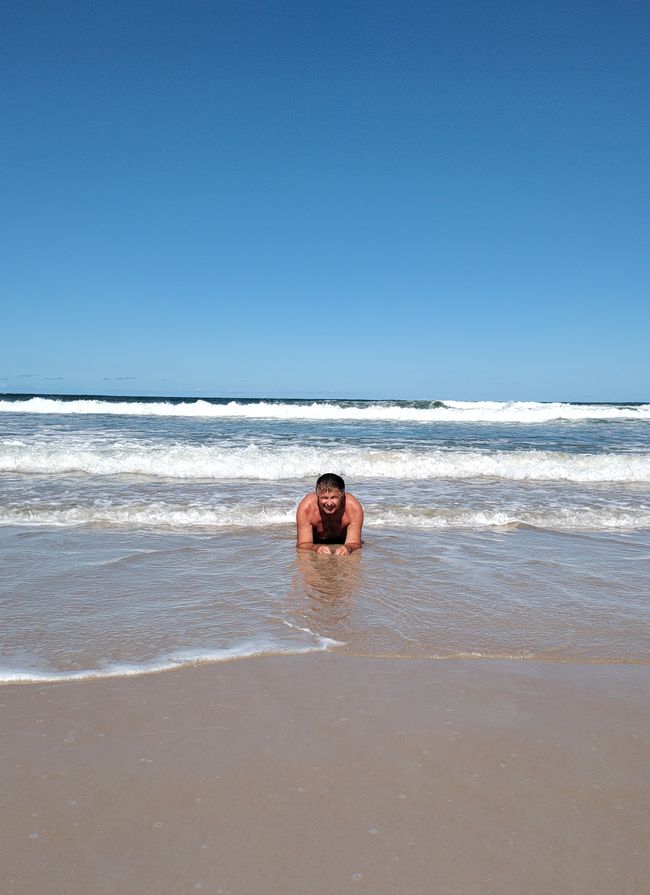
[330,399]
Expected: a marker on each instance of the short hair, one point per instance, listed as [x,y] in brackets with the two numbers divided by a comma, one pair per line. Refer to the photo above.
[330,481]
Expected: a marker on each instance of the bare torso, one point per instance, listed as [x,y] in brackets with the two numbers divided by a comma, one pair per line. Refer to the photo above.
[340,527]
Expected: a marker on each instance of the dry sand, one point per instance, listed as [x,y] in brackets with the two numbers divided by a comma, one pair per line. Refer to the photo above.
[327,773]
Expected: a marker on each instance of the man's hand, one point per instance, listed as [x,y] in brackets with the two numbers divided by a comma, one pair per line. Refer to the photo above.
[323,548]
[342,551]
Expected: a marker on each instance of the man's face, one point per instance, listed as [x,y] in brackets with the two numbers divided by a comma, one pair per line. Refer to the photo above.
[329,500]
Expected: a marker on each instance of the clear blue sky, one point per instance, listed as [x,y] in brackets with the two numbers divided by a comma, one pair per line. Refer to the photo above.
[379,199]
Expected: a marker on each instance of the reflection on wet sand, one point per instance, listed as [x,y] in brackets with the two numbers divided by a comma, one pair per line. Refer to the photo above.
[326,585]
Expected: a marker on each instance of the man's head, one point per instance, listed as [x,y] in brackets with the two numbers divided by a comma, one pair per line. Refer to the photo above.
[330,481]
[330,491]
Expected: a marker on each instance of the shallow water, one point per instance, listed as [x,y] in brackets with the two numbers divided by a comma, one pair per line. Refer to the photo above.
[118,602]
[133,542]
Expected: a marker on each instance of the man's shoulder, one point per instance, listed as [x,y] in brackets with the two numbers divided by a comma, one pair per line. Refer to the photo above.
[308,503]
[352,503]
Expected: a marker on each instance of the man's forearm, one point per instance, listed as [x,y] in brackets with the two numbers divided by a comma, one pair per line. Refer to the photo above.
[306,545]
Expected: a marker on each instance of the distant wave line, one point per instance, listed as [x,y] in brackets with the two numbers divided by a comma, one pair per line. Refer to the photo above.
[398,412]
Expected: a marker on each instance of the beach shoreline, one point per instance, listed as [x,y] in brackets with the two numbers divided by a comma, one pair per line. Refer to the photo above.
[325,772]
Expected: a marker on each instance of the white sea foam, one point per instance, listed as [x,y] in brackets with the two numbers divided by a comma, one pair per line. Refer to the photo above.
[155,514]
[159,515]
[273,463]
[551,518]
[168,662]
[439,411]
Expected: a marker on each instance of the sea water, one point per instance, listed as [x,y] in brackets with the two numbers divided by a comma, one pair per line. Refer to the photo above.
[142,534]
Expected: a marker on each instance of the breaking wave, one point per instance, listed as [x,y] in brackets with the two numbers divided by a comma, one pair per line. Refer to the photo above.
[283,463]
[368,411]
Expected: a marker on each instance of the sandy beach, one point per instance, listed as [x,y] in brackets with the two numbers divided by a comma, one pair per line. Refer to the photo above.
[327,773]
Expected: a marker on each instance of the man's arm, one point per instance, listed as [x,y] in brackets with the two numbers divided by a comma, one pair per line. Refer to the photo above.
[353,536]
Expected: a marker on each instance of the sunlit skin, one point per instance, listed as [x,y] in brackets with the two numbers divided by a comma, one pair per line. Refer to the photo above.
[329,516]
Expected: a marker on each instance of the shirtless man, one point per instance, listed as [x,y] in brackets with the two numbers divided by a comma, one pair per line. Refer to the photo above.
[329,516]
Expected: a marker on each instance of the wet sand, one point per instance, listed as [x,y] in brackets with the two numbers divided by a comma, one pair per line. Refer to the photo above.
[328,773]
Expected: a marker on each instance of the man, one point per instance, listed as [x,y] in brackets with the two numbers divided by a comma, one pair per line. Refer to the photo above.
[328,519]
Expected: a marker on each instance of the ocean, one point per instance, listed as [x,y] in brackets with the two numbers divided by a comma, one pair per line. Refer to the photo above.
[142,534]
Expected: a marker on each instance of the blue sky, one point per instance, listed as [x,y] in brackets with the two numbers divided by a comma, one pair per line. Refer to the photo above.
[367,199]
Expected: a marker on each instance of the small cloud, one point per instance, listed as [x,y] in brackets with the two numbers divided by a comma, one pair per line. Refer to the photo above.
[123,378]
[25,376]
[53,378]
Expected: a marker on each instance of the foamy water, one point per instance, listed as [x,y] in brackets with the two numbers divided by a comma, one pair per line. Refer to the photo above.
[383,411]
[282,462]
[142,535]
